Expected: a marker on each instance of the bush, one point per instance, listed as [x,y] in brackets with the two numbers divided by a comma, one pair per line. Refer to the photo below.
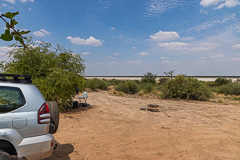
[95,84]
[148,88]
[230,89]
[222,81]
[163,81]
[149,78]
[113,82]
[186,88]
[129,87]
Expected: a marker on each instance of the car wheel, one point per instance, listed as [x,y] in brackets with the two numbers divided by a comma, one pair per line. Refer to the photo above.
[5,156]
[54,111]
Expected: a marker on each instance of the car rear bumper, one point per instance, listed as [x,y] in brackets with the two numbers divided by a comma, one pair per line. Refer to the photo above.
[38,147]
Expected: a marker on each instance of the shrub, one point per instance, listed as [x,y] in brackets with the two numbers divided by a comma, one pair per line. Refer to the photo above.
[186,88]
[113,82]
[129,87]
[148,88]
[222,81]
[149,78]
[95,84]
[230,89]
[162,81]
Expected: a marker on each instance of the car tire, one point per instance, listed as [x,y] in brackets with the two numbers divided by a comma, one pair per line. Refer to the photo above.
[5,156]
[54,111]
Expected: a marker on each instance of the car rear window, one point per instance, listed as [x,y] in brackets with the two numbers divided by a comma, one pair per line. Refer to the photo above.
[11,98]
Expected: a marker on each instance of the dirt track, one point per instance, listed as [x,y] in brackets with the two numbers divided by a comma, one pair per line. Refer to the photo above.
[116,129]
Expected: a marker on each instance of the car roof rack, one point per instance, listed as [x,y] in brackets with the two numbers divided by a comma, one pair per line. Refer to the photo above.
[15,78]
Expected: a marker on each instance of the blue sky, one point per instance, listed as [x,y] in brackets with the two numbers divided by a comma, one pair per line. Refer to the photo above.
[132,37]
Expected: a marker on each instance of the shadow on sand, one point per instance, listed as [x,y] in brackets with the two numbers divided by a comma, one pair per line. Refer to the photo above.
[62,152]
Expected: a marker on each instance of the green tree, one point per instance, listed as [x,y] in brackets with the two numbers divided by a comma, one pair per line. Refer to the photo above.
[55,71]
[149,78]
[222,81]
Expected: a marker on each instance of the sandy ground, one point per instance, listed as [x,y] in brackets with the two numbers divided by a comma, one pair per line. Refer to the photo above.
[115,128]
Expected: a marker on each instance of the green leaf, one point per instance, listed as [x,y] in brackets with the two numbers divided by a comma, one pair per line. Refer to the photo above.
[13,23]
[24,32]
[8,25]
[10,15]
[19,39]
[7,36]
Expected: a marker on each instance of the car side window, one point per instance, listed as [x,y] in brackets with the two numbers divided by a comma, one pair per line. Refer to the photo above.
[11,98]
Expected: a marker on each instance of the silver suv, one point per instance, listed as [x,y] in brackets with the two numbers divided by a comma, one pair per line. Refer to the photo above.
[27,121]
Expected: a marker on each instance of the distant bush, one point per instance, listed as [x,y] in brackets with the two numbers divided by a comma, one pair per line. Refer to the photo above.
[113,82]
[95,84]
[129,87]
[222,81]
[149,78]
[186,88]
[230,89]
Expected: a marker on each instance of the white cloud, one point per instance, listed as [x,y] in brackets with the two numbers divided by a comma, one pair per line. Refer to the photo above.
[234,59]
[41,33]
[210,24]
[116,54]
[228,3]
[10,1]
[133,62]
[112,28]
[203,11]
[164,58]
[217,56]
[173,45]
[236,46]
[166,61]
[39,42]
[164,36]
[206,3]
[86,53]
[24,1]
[91,41]
[3,53]
[133,47]
[157,7]
[114,62]
[110,57]
[143,54]
[219,3]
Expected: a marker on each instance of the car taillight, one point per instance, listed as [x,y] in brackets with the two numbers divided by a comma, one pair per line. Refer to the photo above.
[43,114]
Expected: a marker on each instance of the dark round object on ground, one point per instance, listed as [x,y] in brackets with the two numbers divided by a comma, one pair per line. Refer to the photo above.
[5,156]
[83,104]
[75,104]
[54,111]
